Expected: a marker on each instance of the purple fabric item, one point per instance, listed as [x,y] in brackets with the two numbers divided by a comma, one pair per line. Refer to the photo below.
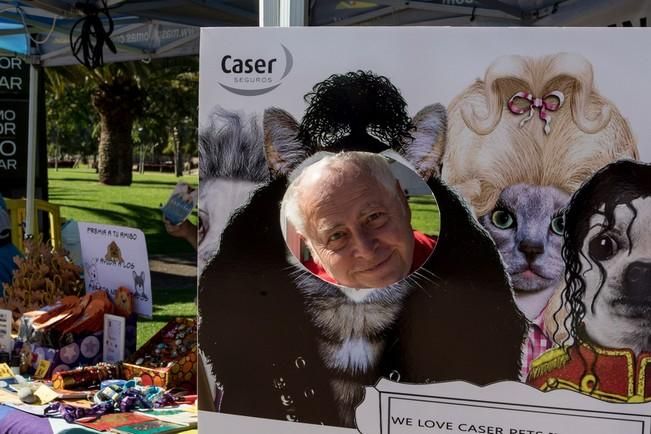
[70,413]
[14,421]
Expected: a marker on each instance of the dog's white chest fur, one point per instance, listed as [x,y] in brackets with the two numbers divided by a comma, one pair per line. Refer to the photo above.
[353,333]
[354,354]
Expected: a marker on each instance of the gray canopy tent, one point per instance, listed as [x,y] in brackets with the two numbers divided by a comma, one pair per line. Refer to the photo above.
[627,13]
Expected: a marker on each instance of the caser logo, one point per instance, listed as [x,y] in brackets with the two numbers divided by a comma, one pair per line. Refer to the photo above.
[251,75]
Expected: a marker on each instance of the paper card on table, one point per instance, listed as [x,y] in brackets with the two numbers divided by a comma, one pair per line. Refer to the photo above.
[114,331]
[45,394]
[5,371]
[41,369]
[114,257]
[180,204]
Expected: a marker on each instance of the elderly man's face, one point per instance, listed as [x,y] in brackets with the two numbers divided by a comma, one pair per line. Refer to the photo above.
[356,229]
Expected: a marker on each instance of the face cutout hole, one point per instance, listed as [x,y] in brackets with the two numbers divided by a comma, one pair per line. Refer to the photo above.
[359,220]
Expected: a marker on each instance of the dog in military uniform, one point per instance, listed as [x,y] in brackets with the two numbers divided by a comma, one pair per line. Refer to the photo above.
[607,252]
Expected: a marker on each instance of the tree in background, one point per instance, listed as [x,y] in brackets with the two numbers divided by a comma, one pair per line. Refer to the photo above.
[171,111]
[70,117]
[118,99]
[154,103]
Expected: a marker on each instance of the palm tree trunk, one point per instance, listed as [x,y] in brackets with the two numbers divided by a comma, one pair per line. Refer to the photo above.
[178,157]
[115,148]
[117,102]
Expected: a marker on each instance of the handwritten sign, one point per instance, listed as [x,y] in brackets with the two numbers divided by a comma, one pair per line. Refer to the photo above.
[113,257]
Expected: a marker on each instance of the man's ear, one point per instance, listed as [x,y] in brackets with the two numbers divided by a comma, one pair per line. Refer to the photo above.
[282,147]
[425,150]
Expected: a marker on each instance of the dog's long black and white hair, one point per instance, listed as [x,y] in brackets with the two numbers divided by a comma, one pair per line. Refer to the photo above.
[231,165]
[615,186]
[230,146]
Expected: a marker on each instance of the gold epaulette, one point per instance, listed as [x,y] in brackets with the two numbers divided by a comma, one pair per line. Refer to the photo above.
[548,361]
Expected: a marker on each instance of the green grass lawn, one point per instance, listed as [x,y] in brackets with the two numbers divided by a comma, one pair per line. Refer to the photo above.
[83,198]
[425,214]
[168,304]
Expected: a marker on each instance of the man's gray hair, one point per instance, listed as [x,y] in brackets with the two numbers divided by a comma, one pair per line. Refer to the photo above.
[364,162]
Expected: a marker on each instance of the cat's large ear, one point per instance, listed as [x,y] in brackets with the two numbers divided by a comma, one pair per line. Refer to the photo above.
[283,150]
[425,150]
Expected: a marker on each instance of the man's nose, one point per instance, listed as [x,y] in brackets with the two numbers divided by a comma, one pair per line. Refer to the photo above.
[365,244]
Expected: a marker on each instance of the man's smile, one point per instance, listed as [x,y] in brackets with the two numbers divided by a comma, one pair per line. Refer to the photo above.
[377,266]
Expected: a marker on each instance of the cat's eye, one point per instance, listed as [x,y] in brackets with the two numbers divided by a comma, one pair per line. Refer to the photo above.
[602,247]
[558,225]
[502,219]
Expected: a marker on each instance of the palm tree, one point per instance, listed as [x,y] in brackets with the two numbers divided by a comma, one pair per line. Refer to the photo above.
[120,94]
[118,99]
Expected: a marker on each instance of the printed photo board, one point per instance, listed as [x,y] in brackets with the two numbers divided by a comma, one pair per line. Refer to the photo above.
[410,230]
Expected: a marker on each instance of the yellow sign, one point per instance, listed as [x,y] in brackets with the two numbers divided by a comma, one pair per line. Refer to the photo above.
[41,369]
[5,371]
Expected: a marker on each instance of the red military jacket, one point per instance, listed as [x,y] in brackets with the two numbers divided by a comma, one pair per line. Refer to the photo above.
[607,374]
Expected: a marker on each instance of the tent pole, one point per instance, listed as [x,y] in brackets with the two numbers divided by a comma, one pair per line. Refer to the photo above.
[269,13]
[283,13]
[31,150]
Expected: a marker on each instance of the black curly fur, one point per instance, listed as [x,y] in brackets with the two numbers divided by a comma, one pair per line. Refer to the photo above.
[356,104]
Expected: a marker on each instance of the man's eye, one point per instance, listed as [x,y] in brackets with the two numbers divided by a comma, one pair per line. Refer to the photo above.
[336,236]
[376,219]
[337,241]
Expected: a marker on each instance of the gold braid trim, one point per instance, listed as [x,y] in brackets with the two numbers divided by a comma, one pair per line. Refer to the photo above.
[548,361]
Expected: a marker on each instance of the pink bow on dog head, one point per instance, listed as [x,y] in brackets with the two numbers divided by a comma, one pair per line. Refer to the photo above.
[548,103]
